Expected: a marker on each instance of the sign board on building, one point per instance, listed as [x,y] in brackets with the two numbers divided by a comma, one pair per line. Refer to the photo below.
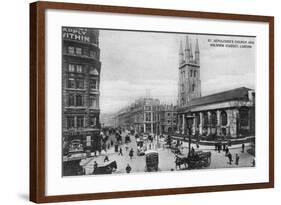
[84,35]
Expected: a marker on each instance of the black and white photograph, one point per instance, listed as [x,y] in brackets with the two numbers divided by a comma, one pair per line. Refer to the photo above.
[146,101]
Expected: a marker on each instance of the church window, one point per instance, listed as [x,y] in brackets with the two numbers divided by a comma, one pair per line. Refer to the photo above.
[191,73]
[194,74]
[223,118]
[193,87]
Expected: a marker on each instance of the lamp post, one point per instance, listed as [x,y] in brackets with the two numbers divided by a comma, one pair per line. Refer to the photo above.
[190,119]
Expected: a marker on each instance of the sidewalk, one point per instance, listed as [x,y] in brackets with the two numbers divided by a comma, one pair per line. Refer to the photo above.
[212,147]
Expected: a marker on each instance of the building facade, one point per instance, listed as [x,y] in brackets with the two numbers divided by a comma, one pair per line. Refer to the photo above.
[81,69]
[147,115]
[142,116]
[230,113]
[168,119]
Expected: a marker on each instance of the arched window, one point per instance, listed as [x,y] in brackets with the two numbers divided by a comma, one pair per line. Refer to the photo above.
[193,87]
[213,119]
[244,116]
[223,118]
[205,120]
[194,74]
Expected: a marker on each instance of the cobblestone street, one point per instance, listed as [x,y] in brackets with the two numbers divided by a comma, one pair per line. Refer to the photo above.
[166,158]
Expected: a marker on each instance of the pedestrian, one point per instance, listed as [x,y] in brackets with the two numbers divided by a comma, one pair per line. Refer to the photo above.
[95,153]
[95,166]
[226,150]
[106,159]
[230,158]
[237,159]
[219,147]
[120,152]
[243,147]
[253,163]
[223,146]
[126,147]
[131,153]
[128,169]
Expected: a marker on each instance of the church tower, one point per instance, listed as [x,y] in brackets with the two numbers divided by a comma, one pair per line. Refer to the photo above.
[189,85]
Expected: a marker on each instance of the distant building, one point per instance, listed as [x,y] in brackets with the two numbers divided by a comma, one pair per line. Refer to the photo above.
[107,120]
[168,119]
[81,69]
[142,116]
[147,115]
[230,113]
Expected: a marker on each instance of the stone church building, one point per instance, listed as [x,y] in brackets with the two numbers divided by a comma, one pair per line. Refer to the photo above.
[230,113]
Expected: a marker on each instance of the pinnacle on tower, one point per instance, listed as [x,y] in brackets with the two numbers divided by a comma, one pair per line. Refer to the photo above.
[197,46]
[187,50]
[197,53]
[191,54]
[181,54]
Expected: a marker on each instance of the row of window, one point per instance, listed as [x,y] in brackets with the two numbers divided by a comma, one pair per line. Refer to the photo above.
[78,101]
[79,121]
[75,68]
[78,68]
[192,73]
[82,51]
[78,83]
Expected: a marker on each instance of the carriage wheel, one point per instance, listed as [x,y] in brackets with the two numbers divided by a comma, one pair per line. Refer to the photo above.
[207,162]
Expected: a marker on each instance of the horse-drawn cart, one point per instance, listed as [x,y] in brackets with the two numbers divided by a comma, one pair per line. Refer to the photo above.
[195,160]
[106,168]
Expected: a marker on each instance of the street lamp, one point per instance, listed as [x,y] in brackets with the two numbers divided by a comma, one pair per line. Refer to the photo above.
[190,119]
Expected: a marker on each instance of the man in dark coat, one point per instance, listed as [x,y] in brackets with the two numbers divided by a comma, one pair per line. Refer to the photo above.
[120,152]
[237,159]
[131,153]
[128,169]
[230,158]
[243,147]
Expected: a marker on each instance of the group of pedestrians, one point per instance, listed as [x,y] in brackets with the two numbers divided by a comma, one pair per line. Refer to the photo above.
[224,147]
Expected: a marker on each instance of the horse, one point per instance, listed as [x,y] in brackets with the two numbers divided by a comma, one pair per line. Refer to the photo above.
[181,161]
[107,169]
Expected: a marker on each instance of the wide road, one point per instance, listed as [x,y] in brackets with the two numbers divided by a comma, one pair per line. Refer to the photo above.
[166,158]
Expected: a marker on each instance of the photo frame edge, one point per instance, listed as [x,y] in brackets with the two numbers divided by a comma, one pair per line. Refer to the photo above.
[37,102]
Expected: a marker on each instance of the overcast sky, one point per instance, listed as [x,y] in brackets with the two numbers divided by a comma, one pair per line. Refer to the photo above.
[134,62]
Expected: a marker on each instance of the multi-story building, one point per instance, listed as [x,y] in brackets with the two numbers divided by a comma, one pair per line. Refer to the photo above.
[142,116]
[168,119]
[81,69]
[147,115]
[230,113]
